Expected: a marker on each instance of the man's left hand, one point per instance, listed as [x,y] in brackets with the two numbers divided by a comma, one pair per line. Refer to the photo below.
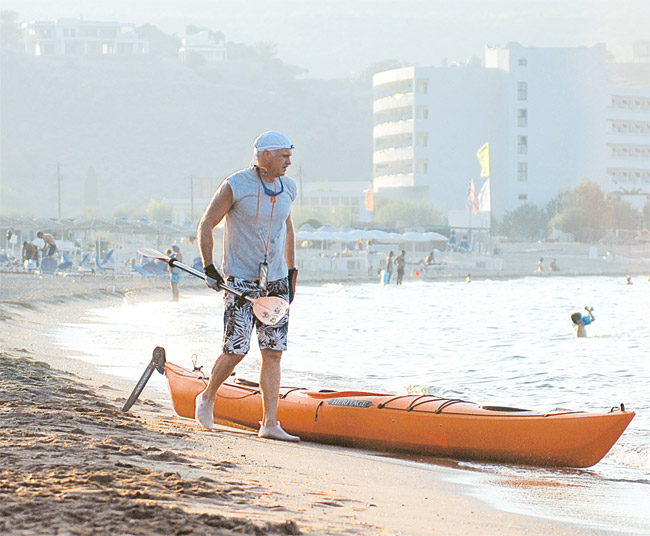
[292,278]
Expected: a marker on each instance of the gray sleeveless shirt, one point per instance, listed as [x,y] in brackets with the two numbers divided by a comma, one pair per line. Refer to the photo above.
[247,229]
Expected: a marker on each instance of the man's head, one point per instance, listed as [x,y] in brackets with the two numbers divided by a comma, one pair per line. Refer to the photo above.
[576,318]
[40,234]
[272,153]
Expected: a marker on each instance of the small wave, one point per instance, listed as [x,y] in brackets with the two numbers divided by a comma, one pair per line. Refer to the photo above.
[631,456]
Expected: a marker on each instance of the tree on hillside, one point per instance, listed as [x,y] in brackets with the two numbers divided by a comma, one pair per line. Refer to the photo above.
[528,222]
[10,32]
[266,50]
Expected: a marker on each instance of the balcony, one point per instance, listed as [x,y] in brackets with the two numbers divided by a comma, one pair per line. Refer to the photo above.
[393,128]
[393,102]
[393,155]
[399,180]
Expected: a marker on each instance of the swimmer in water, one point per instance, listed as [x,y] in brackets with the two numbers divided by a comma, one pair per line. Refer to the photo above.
[582,321]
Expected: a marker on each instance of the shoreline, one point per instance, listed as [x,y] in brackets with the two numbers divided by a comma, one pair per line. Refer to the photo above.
[155,471]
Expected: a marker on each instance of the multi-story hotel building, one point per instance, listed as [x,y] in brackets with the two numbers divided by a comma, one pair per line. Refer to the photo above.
[550,116]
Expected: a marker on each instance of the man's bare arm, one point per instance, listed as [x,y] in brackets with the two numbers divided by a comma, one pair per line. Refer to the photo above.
[219,206]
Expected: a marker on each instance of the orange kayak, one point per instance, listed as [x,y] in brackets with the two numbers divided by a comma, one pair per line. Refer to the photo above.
[417,424]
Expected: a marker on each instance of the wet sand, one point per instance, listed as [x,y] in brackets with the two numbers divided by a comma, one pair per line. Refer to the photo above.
[73,463]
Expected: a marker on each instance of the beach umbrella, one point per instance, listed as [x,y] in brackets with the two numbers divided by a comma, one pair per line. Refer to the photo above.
[435,237]
[49,224]
[413,236]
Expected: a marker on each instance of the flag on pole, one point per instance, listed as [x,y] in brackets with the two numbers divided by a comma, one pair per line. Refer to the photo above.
[483,155]
[471,197]
[484,200]
[370,198]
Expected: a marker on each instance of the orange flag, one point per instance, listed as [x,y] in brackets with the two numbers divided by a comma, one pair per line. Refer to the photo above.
[370,198]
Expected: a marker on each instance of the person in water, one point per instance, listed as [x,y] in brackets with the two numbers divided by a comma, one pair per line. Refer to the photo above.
[259,259]
[581,322]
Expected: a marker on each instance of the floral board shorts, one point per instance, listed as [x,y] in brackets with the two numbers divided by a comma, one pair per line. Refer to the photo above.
[238,318]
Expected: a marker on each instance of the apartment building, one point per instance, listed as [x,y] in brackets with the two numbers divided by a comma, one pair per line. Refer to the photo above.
[428,124]
[542,110]
[75,37]
[628,142]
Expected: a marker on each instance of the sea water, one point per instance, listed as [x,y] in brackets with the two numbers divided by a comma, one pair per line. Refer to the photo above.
[497,342]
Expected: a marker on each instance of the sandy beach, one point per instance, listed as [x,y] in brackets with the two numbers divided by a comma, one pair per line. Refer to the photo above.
[75,464]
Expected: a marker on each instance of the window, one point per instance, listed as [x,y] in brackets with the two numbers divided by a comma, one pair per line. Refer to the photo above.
[522,117]
[522,91]
[422,139]
[523,62]
[522,197]
[522,144]
[522,171]
[422,112]
[422,166]
[422,86]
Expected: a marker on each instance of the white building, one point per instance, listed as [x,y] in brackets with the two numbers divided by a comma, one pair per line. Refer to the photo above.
[541,110]
[628,143]
[428,124]
[554,121]
[203,45]
[74,37]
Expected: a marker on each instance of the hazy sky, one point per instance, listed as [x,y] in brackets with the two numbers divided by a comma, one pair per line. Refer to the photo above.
[340,38]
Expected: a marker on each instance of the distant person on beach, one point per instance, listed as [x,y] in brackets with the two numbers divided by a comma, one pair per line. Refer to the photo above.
[581,321]
[29,255]
[388,270]
[371,253]
[400,264]
[174,273]
[49,249]
[628,280]
[553,267]
[540,264]
[463,245]
[452,242]
[259,259]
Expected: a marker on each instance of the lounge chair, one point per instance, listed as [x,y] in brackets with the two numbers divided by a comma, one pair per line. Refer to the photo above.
[141,270]
[64,265]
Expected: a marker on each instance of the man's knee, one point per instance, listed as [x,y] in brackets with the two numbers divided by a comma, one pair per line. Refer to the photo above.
[271,354]
[233,359]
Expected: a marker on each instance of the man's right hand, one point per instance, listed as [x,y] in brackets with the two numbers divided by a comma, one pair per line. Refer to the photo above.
[213,278]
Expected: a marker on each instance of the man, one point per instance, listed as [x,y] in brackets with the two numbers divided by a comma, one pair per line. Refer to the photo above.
[400,262]
[174,273]
[49,246]
[258,259]
[29,252]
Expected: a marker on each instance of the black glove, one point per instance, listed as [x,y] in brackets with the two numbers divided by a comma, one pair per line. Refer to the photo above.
[213,278]
[292,279]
